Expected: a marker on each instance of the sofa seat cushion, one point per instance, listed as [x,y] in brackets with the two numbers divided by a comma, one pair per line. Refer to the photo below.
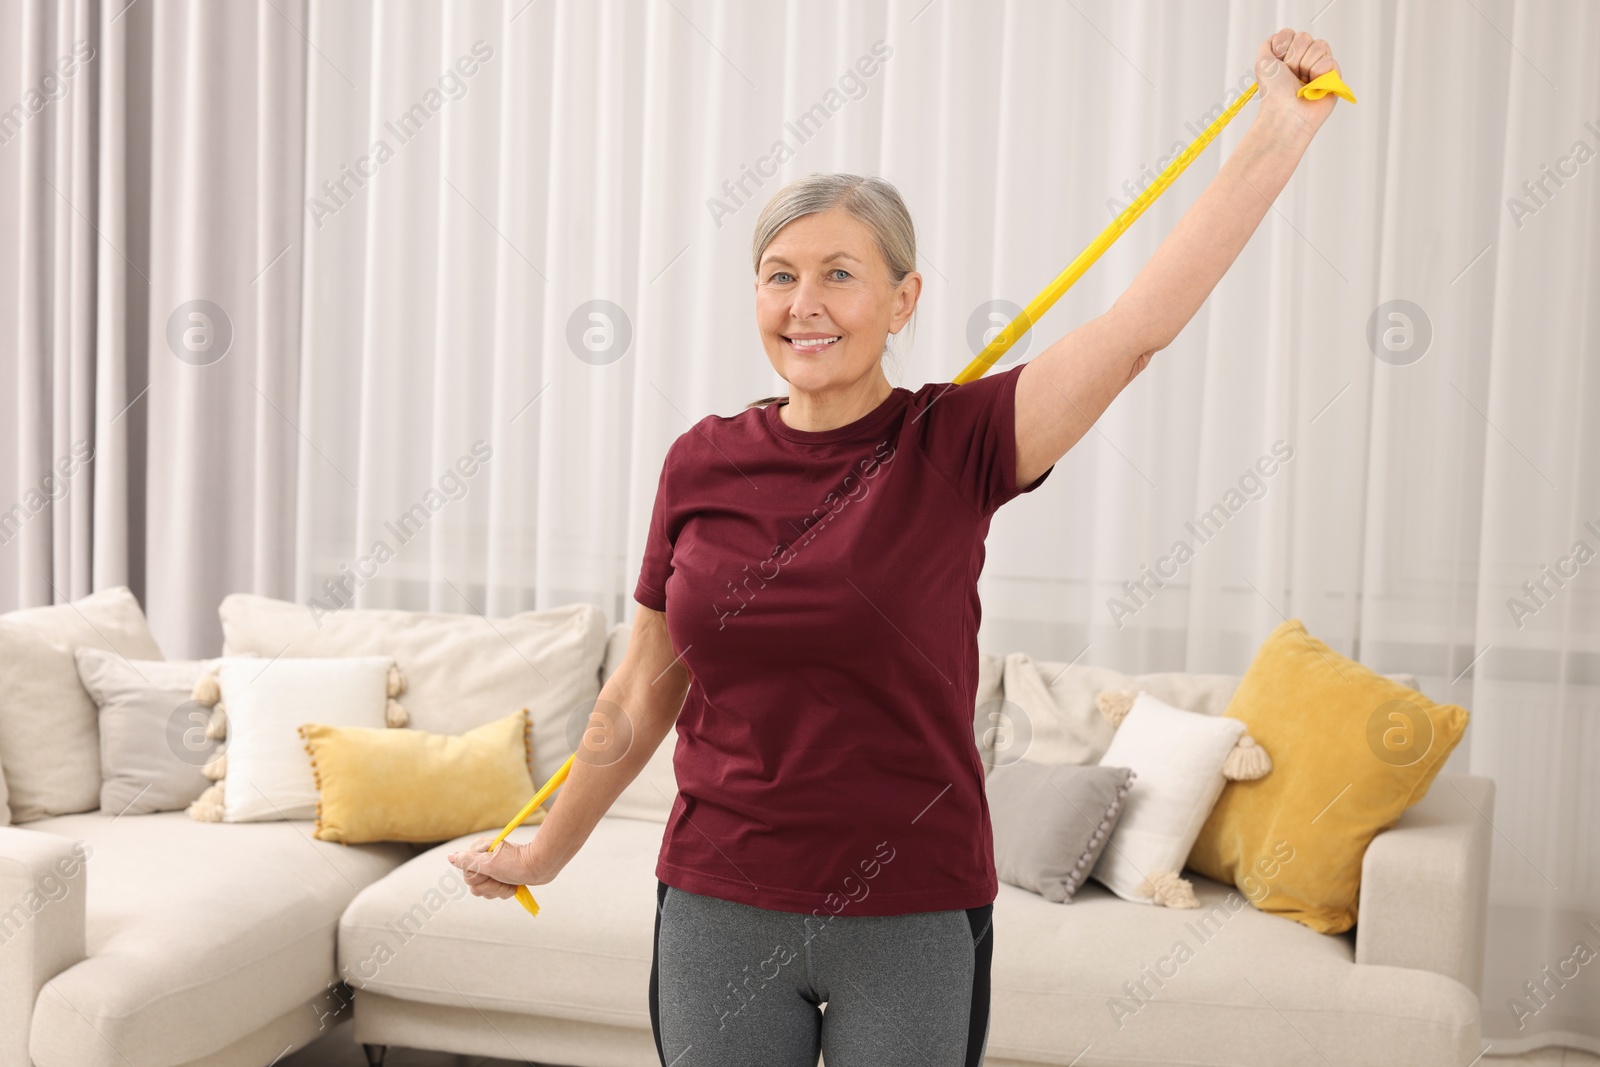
[1247,988]
[197,934]
[420,935]
[1227,985]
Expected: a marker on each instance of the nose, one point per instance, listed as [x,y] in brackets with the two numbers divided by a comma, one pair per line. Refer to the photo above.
[806,303]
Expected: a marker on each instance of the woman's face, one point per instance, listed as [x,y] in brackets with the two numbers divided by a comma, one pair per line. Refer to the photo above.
[822,277]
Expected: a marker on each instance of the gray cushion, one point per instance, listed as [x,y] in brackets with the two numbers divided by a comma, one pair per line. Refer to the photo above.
[1051,822]
[152,736]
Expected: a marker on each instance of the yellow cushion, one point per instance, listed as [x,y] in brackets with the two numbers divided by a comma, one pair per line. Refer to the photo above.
[409,785]
[1351,750]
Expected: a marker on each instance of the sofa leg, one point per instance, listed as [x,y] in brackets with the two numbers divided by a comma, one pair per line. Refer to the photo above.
[375,1054]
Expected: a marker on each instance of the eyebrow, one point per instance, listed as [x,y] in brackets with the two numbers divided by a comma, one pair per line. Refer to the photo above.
[776,260]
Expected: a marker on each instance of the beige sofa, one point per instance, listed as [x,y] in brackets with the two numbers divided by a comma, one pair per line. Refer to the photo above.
[569,987]
[174,942]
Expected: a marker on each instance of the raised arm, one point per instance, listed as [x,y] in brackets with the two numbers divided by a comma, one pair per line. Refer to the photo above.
[1063,390]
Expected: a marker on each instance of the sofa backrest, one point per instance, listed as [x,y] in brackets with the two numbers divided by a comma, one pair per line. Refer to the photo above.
[1038,709]
[462,671]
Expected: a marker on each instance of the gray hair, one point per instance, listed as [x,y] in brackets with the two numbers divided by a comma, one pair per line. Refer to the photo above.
[872,201]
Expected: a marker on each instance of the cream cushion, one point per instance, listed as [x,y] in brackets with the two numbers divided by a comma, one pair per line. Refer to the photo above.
[462,671]
[268,769]
[196,933]
[1055,720]
[1056,701]
[49,729]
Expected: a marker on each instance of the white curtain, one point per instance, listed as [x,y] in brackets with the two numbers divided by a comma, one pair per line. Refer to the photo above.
[150,159]
[484,261]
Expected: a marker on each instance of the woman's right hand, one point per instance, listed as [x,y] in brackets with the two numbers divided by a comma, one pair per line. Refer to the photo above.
[496,875]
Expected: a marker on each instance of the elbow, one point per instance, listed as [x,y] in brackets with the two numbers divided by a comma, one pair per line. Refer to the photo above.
[1147,343]
[1144,338]
[1141,359]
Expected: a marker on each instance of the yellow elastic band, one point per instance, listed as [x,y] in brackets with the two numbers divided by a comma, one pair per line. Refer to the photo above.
[1314,89]
[1323,84]
[1311,90]
[523,895]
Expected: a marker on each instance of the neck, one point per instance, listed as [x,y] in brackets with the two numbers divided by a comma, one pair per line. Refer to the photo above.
[828,409]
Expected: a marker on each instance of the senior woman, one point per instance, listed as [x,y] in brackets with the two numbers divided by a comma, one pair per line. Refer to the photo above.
[808,620]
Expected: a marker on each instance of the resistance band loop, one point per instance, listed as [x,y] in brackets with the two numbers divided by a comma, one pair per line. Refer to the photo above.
[1311,90]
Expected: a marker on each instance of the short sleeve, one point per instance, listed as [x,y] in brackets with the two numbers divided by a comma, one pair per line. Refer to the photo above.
[970,435]
[651,589]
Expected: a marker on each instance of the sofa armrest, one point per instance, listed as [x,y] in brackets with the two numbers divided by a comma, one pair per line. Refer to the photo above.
[42,883]
[1425,883]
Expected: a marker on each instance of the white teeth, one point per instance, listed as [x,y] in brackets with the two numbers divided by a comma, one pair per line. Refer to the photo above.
[820,343]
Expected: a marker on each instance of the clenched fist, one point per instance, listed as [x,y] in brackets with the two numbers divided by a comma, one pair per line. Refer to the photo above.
[1286,61]
[489,874]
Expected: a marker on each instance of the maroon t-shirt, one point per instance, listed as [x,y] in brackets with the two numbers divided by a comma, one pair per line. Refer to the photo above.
[821,588]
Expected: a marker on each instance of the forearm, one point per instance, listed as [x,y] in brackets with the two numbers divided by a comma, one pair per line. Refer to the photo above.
[1170,288]
[598,775]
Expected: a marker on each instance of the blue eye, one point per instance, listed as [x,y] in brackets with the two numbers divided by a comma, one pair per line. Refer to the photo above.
[776,276]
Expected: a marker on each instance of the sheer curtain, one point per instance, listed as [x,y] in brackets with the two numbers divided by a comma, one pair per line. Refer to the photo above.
[482,262]
[149,173]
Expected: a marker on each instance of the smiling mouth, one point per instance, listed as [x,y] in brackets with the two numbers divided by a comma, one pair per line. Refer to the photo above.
[811,344]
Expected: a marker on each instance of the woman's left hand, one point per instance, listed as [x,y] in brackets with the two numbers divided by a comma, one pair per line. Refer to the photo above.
[496,874]
[1286,61]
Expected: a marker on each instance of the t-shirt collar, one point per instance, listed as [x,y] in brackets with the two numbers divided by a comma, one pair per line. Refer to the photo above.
[849,431]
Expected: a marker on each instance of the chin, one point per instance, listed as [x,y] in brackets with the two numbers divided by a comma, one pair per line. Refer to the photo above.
[809,378]
[809,372]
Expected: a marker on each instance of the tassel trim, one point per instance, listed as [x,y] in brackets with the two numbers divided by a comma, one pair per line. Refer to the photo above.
[207,690]
[208,806]
[317,831]
[1108,822]
[1114,705]
[1166,890]
[1247,762]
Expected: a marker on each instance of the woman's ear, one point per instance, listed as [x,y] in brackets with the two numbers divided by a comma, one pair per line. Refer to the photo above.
[906,295]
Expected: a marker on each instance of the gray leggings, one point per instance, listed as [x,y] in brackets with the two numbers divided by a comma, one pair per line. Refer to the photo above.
[733,985]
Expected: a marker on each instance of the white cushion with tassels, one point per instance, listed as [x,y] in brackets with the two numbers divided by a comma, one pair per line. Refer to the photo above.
[1177,759]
